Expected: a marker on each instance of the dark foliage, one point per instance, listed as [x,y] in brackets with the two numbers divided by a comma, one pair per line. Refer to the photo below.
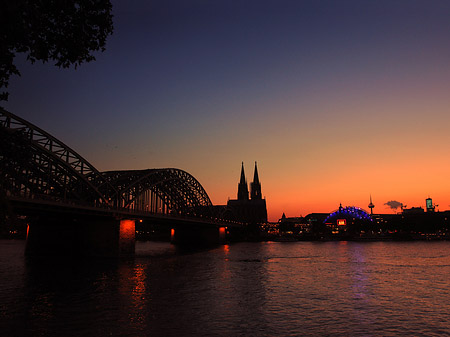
[63,31]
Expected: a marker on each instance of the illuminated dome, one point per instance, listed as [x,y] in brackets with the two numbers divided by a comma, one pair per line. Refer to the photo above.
[348,213]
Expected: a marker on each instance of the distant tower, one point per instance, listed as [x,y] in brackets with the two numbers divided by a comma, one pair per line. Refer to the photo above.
[255,186]
[429,204]
[242,187]
[371,206]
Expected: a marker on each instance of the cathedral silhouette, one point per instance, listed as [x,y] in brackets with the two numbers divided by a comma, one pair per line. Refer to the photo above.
[251,210]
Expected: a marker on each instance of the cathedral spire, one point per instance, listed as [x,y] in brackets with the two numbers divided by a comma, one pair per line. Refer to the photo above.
[242,175]
[242,187]
[255,186]
[255,176]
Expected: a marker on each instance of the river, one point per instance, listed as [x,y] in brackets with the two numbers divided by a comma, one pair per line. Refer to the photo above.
[245,289]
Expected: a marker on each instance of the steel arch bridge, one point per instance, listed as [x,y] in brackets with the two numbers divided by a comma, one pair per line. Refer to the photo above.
[36,166]
[167,191]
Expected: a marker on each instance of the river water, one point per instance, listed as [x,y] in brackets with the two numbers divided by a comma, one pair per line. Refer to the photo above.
[245,289]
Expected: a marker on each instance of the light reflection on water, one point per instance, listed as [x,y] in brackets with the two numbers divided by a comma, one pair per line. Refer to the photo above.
[247,289]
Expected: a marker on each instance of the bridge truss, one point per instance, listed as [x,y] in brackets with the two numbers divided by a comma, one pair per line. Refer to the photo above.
[34,165]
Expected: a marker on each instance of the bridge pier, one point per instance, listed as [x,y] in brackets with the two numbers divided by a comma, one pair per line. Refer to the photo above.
[94,236]
[198,236]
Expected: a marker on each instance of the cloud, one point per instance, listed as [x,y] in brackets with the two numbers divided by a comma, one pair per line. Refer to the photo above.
[393,204]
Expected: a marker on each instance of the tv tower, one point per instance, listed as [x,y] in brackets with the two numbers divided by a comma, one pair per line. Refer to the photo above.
[371,205]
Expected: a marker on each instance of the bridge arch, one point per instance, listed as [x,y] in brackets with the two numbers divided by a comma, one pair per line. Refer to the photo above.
[168,190]
[35,164]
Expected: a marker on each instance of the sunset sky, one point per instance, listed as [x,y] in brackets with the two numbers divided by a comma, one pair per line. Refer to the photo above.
[335,100]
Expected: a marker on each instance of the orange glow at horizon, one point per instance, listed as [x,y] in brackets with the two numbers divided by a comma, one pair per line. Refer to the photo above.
[409,176]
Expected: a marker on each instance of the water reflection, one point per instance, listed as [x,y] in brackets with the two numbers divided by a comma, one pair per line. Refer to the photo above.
[133,294]
[246,289]
[359,274]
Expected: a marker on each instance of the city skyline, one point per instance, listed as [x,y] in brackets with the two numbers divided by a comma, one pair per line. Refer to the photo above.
[336,101]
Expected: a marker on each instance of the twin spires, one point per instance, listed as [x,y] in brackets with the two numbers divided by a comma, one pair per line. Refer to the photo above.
[255,186]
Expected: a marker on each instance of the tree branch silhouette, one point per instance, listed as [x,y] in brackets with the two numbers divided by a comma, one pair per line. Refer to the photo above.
[64,31]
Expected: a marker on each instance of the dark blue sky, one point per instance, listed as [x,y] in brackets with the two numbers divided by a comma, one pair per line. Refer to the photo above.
[204,85]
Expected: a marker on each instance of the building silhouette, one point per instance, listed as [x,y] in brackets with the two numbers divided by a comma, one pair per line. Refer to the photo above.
[251,210]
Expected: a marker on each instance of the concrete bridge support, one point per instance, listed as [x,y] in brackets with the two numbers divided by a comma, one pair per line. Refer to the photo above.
[83,236]
[198,236]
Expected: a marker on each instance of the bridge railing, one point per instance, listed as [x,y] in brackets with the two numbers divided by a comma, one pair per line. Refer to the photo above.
[74,204]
